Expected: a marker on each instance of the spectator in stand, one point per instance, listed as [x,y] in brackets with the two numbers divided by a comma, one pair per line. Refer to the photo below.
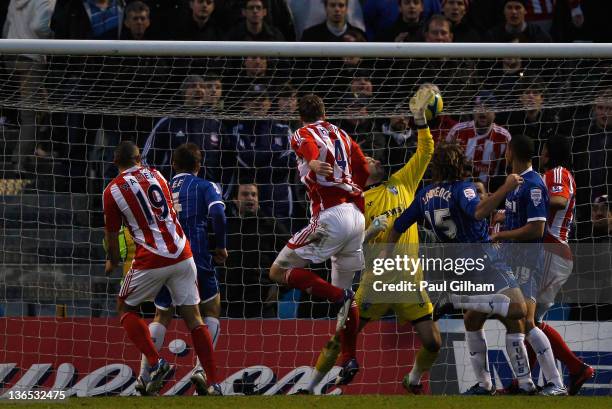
[287,107]
[264,154]
[592,153]
[484,141]
[352,36]
[253,240]
[335,24]
[401,142]
[455,11]
[279,15]
[27,19]
[200,94]
[438,30]
[136,22]
[87,19]
[254,27]
[255,70]
[584,20]
[515,26]
[199,23]
[601,218]
[381,14]
[310,13]
[541,12]
[532,119]
[362,129]
[409,25]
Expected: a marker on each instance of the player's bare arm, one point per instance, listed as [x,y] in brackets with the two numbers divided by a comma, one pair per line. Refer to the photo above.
[112,240]
[531,231]
[557,203]
[488,205]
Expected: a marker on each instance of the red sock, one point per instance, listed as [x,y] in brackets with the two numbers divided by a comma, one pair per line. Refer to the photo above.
[306,280]
[561,350]
[533,358]
[138,333]
[202,343]
[348,336]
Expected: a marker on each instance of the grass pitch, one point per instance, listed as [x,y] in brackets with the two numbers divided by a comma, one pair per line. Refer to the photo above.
[322,402]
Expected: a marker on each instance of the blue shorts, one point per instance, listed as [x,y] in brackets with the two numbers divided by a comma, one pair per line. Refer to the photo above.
[497,273]
[208,288]
[527,280]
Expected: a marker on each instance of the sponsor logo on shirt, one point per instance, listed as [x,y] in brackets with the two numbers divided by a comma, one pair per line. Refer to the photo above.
[557,189]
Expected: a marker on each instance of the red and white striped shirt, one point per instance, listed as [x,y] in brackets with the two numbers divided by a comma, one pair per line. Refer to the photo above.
[486,151]
[560,182]
[328,143]
[140,199]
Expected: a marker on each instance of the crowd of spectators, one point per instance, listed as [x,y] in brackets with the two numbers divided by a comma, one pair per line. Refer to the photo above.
[251,159]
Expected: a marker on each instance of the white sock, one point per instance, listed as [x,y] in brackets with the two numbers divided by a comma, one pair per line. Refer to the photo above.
[415,374]
[541,345]
[158,332]
[314,381]
[489,304]
[477,346]
[214,328]
[517,353]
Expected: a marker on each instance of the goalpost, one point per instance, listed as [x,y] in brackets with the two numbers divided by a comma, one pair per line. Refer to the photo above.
[62,116]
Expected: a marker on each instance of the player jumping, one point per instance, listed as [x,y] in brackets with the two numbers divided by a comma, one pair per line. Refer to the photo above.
[140,198]
[334,170]
[195,201]
[385,200]
[460,217]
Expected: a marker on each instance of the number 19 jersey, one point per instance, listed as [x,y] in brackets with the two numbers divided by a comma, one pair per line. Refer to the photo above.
[449,208]
[140,199]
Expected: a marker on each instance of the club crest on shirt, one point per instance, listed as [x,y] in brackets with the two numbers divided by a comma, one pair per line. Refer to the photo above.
[469,193]
[393,190]
[536,196]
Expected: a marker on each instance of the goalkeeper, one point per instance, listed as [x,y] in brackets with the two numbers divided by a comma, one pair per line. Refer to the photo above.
[385,201]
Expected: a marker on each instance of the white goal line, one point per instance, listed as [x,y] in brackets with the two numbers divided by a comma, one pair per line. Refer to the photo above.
[298,49]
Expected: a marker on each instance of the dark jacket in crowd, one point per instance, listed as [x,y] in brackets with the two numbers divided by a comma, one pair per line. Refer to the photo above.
[71,21]
[229,13]
[414,31]
[320,33]
[268,33]
[532,34]
[208,134]
[186,29]
[252,243]
[465,33]
[592,158]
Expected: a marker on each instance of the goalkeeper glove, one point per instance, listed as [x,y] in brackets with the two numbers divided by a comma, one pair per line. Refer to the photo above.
[418,103]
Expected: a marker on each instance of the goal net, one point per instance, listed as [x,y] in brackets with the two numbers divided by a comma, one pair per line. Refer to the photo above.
[66,104]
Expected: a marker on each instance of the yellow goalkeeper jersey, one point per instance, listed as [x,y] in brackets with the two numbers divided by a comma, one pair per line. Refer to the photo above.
[396,194]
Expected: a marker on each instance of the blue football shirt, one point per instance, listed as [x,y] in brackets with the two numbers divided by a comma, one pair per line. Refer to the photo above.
[193,198]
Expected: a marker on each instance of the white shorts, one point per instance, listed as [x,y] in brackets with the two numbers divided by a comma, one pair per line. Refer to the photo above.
[555,273]
[143,285]
[345,226]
